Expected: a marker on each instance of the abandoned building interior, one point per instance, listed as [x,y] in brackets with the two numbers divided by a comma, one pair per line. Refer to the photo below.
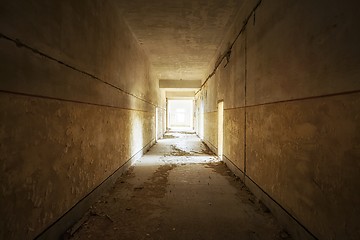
[180,119]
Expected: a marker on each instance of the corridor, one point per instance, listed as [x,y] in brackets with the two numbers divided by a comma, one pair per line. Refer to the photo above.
[178,190]
[91,93]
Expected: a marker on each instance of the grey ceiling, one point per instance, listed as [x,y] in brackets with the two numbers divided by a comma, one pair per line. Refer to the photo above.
[180,36]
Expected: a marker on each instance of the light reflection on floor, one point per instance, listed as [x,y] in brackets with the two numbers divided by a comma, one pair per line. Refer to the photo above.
[178,148]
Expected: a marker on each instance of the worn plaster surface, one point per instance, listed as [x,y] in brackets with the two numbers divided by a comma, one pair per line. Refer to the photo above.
[178,190]
[234,140]
[73,38]
[311,179]
[180,37]
[54,153]
[295,51]
[293,78]
[78,100]
[211,130]
[283,70]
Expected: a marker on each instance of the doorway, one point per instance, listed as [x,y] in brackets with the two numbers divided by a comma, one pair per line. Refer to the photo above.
[220,129]
[180,114]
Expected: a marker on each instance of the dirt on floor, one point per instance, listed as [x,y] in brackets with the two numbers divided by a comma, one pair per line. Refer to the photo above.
[176,197]
[126,210]
[135,212]
[243,192]
[176,151]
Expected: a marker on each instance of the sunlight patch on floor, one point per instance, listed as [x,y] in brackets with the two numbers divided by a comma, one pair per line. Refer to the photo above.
[178,148]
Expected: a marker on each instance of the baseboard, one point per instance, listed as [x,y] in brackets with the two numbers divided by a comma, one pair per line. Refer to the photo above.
[289,222]
[58,229]
[233,168]
[209,145]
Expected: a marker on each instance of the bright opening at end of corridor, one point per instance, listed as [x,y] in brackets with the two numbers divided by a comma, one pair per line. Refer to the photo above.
[180,114]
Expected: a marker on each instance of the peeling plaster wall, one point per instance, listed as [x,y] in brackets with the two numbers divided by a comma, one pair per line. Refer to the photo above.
[291,95]
[77,101]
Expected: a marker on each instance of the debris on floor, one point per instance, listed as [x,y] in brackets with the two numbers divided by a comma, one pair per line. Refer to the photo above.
[178,190]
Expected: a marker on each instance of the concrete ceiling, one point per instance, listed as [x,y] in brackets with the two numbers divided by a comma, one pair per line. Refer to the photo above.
[180,36]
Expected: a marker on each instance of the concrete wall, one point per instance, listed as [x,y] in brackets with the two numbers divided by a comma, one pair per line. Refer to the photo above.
[77,101]
[291,93]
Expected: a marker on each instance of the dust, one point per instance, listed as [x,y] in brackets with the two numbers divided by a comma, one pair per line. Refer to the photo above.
[169,136]
[206,150]
[136,211]
[124,208]
[187,133]
[244,194]
[175,151]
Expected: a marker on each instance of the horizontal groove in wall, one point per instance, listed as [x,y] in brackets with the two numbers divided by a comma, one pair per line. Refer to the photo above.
[262,190]
[20,44]
[292,100]
[307,98]
[93,190]
[71,101]
[297,99]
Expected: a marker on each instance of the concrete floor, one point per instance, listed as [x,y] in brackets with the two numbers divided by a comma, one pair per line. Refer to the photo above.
[178,190]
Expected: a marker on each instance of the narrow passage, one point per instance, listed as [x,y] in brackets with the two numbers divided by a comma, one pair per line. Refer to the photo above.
[178,190]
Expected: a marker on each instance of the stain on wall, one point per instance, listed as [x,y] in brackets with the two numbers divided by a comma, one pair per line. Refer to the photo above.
[306,155]
[210,130]
[77,100]
[234,136]
[53,153]
[293,80]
